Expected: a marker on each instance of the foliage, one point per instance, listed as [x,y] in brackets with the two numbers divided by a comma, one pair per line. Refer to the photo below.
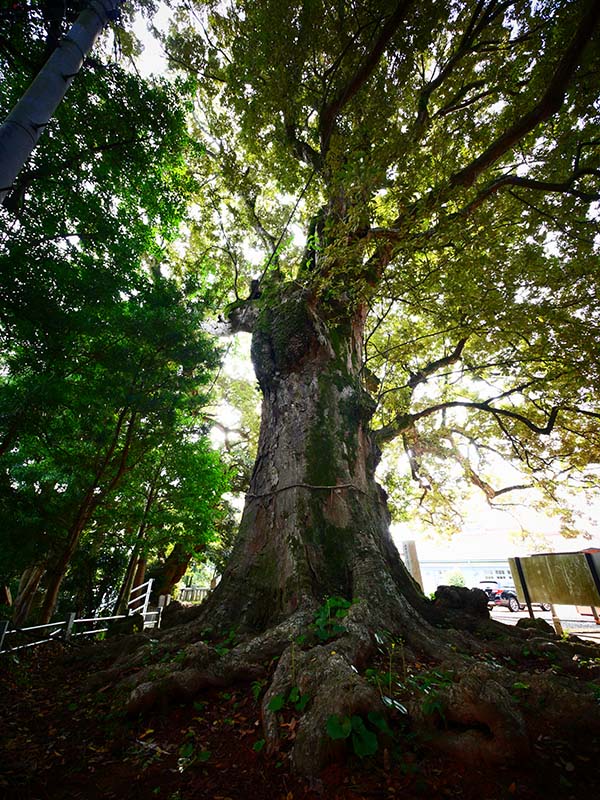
[442,160]
[326,625]
[364,740]
[295,699]
[104,367]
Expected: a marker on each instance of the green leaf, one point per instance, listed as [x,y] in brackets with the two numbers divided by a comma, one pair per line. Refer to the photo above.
[294,695]
[379,721]
[258,745]
[187,750]
[338,727]
[302,702]
[364,741]
[276,703]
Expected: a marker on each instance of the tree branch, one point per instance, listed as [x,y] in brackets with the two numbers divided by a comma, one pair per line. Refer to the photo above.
[421,376]
[564,187]
[366,68]
[301,149]
[404,422]
[551,101]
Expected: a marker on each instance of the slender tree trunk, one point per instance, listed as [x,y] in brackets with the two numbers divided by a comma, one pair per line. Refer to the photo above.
[90,502]
[25,123]
[28,586]
[130,580]
[140,572]
[57,571]
[126,586]
[315,522]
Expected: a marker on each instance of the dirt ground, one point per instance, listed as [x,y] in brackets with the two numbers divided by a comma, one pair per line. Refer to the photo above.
[57,741]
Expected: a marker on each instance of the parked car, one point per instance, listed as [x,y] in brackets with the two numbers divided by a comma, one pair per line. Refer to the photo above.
[504,595]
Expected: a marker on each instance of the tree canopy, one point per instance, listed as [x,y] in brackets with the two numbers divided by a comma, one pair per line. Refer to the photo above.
[443,161]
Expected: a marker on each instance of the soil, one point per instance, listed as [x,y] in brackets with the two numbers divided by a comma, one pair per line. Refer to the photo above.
[58,741]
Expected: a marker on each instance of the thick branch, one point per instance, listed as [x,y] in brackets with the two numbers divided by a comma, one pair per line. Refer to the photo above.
[405,421]
[421,376]
[564,187]
[364,71]
[240,316]
[481,18]
[301,149]
[551,101]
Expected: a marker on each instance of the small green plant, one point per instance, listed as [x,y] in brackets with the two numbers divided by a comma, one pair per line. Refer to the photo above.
[276,703]
[258,745]
[326,625]
[364,739]
[428,685]
[256,687]
[295,698]
[227,643]
[386,681]
[190,754]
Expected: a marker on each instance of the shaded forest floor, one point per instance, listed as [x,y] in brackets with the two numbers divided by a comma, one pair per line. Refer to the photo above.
[57,741]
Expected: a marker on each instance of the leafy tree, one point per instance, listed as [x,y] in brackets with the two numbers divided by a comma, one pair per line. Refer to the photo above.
[103,356]
[24,125]
[444,161]
[177,507]
[129,392]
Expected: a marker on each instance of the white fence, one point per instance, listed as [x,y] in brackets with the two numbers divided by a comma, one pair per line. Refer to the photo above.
[193,594]
[68,628]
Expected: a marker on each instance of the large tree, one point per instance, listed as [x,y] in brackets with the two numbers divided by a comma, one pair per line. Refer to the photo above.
[444,160]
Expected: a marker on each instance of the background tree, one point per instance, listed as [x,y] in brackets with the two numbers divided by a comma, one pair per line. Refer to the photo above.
[25,123]
[103,357]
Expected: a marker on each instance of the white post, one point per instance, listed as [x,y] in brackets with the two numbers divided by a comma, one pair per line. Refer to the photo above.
[69,625]
[4,623]
[147,598]
[411,560]
[556,621]
[25,123]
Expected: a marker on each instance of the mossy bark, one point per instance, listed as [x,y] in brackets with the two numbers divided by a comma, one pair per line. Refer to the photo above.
[316,525]
[315,522]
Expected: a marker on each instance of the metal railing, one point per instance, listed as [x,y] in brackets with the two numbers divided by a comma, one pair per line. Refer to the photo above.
[66,629]
[139,603]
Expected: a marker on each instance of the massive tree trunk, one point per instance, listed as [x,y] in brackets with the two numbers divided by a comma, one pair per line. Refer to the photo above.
[315,526]
[315,522]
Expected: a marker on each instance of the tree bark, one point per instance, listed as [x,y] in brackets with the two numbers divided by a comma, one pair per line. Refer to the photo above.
[57,571]
[315,526]
[168,574]
[140,572]
[28,585]
[127,584]
[24,125]
[315,522]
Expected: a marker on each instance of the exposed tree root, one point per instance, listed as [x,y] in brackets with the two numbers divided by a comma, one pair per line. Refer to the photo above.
[475,707]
